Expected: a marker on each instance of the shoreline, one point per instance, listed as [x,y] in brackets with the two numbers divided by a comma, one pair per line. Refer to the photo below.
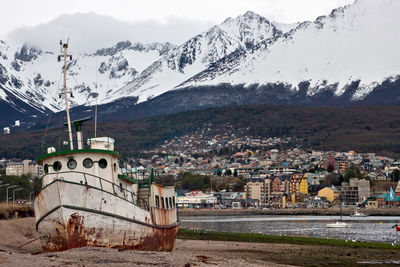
[196,248]
[313,212]
[278,239]
[22,211]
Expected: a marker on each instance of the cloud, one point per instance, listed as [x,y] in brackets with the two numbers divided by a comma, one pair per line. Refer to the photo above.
[89,31]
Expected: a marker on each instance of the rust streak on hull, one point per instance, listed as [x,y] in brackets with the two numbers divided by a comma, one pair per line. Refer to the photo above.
[76,235]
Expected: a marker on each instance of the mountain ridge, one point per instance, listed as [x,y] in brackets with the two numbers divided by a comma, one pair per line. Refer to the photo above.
[347,57]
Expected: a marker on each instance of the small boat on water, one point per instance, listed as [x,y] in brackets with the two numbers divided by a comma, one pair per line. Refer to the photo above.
[358,214]
[340,223]
[337,225]
[87,199]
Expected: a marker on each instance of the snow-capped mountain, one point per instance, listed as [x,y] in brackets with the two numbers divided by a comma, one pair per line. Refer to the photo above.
[354,44]
[349,56]
[199,53]
[33,76]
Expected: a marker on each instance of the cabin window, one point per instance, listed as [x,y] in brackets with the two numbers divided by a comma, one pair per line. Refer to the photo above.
[57,166]
[71,164]
[87,163]
[46,168]
[173,201]
[166,203]
[120,187]
[115,167]
[157,201]
[103,163]
[162,203]
[170,203]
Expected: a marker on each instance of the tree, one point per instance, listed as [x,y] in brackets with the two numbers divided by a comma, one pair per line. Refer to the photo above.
[331,179]
[352,172]
[166,180]
[331,167]
[395,175]
[238,185]
[195,182]
[21,182]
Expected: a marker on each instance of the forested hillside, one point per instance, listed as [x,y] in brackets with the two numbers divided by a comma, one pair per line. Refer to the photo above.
[364,129]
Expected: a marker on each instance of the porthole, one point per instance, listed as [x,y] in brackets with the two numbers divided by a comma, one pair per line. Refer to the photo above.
[46,168]
[88,163]
[103,163]
[57,166]
[71,164]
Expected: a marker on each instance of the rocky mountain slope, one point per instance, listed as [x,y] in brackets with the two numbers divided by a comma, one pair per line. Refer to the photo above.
[354,47]
[198,53]
[30,79]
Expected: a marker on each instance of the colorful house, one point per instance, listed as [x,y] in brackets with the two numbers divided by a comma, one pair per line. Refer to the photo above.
[298,186]
[304,186]
[329,193]
[388,200]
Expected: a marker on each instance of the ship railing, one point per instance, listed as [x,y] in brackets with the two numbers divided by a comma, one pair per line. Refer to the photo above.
[61,141]
[104,185]
[143,177]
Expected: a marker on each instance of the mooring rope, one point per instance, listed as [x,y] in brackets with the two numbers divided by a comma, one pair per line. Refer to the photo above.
[29,242]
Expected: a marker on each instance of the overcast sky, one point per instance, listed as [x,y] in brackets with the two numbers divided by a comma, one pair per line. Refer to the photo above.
[102,22]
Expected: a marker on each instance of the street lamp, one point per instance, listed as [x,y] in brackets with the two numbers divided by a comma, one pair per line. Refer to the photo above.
[31,196]
[7,191]
[15,190]
[4,185]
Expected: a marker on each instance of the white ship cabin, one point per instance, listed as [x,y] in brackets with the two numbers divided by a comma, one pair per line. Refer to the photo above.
[97,166]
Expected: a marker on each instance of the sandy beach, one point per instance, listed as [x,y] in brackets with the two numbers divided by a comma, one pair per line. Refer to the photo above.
[17,232]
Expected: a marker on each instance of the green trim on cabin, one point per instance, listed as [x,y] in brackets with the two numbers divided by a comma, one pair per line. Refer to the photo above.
[68,152]
[126,177]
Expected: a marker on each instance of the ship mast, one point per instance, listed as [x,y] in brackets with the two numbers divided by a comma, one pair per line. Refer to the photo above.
[64,48]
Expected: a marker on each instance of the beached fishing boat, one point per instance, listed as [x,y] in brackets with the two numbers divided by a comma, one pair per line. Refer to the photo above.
[87,200]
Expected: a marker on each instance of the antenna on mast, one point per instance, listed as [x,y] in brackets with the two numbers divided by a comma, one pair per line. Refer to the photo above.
[95,112]
[64,55]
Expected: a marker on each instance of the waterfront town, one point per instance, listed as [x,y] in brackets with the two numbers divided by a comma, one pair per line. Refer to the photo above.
[232,170]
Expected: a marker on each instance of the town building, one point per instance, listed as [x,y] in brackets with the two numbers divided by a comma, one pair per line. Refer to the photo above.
[298,187]
[355,191]
[255,189]
[26,167]
[341,164]
[331,194]
[196,199]
[388,201]
[14,169]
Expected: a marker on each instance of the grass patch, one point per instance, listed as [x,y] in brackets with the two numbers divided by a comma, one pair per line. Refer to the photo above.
[263,238]
[15,211]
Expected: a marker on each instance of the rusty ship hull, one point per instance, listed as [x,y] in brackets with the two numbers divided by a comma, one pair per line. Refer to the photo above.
[70,215]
